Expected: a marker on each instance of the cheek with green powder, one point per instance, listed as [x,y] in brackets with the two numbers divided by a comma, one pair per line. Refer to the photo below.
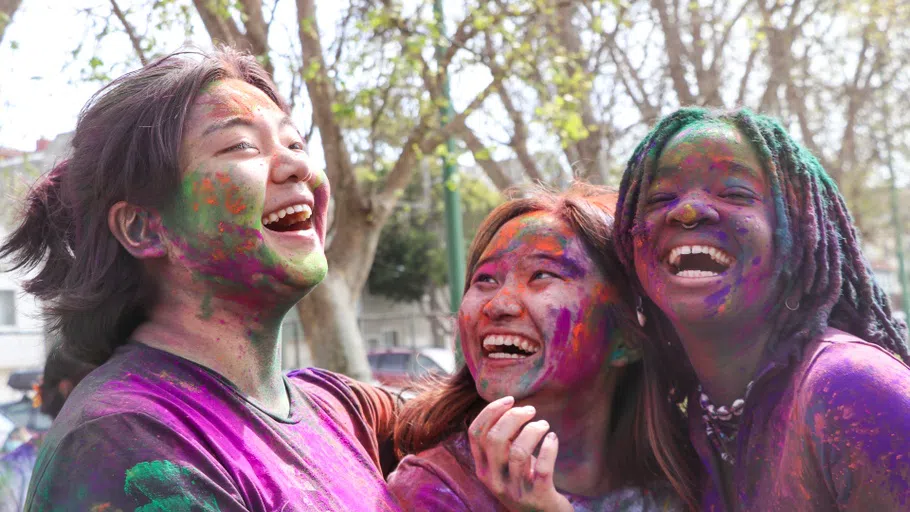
[216,225]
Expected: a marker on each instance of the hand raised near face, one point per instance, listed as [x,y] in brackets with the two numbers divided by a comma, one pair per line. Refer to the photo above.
[502,444]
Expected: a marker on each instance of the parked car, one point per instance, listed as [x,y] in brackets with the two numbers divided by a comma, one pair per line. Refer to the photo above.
[397,368]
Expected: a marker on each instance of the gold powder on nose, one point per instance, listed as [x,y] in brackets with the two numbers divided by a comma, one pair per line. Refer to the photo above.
[689,214]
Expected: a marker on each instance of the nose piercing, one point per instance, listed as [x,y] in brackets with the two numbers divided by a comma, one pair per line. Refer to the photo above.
[689,226]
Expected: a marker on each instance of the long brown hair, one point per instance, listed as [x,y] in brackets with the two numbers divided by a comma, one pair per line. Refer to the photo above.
[447,406]
[126,148]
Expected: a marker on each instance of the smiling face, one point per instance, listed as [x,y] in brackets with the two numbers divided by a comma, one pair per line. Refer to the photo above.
[251,210]
[537,313]
[704,245]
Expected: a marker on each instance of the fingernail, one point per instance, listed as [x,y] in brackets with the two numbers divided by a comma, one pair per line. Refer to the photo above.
[506,400]
[543,424]
[551,436]
[529,409]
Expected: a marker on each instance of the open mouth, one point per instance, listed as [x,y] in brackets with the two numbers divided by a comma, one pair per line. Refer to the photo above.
[509,347]
[698,261]
[292,218]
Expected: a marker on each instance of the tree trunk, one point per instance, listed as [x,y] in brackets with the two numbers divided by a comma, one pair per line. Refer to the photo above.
[329,318]
[329,313]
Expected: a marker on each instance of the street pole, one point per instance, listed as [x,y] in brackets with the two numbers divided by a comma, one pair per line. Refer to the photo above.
[898,228]
[454,229]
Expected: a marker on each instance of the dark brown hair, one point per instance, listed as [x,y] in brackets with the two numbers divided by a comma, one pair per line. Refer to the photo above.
[126,148]
[60,366]
[447,406]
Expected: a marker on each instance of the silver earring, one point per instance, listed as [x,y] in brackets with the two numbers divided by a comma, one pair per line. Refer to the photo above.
[791,308]
[640,309]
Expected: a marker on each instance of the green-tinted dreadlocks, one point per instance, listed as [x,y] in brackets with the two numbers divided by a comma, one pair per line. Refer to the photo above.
[815,241]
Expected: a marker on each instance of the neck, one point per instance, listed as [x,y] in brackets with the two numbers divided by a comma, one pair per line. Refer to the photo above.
[725,357]
[582,425]
[233,337]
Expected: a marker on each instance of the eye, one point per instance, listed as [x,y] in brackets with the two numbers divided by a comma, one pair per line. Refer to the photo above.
[484,278]
[240,146]
[297,146]
[739,194]
[660,198]
[543,274]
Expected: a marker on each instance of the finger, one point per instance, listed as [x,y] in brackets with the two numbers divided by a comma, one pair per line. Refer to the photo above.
[521,454]
[478,430]
[498,440]
[545,463]
[489,416]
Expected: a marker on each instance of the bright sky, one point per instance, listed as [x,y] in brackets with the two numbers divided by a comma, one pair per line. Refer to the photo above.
[41,90]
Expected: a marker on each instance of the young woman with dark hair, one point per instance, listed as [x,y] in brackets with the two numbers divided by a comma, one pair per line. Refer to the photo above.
[546,335]
[766,319]
[169,246]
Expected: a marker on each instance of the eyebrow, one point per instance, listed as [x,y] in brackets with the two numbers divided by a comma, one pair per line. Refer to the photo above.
[734,166]
[573,268]
[233,121]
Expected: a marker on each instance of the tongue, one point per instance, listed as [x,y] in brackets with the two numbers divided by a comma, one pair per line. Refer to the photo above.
[295,222]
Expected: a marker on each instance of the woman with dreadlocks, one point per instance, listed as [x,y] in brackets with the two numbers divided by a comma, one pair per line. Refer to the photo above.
[750,271]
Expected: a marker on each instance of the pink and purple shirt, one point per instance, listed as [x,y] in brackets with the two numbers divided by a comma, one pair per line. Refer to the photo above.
[442,479]
[150,431]
[831,432]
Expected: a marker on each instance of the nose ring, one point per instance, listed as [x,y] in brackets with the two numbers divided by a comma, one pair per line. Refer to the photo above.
[689,226]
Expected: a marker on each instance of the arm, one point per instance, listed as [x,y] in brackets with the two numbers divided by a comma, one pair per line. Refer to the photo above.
[380,410]
[419,487]
[129,461]
[858,422]
[375,409]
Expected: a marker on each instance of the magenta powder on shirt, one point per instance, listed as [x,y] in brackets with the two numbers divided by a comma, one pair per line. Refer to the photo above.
[151,431]
[829,432]
[442,479]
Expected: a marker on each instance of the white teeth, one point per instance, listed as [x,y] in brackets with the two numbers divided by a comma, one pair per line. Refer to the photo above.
[696,273]
[516,341]
[716,254]
[290,210]
[503,355]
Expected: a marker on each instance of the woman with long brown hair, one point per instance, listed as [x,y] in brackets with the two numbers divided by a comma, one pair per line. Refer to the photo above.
[546,334]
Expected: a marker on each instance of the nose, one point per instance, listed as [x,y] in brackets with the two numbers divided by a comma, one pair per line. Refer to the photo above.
[290,165]
[504,304]
[693,209]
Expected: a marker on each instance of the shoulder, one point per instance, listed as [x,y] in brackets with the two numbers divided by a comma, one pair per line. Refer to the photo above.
[855,405]
[435,479]
[339,392]
[843,370]
[122,457]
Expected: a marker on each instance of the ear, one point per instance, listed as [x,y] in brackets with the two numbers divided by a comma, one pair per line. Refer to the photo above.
[624,355]
[65,387]
[136,230]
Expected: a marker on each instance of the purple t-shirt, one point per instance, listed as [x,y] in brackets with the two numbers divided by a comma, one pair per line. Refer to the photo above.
[442,479]
[150,431]
[829,433]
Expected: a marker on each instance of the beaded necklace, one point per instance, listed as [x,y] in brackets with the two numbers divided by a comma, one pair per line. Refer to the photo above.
[722,423]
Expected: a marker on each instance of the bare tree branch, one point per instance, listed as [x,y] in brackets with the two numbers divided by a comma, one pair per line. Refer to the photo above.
[675,52]
[322,93]
[131,32]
